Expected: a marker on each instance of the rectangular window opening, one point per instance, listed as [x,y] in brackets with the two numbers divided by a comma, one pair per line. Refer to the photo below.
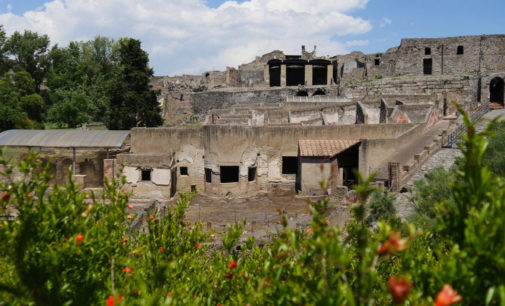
[251,174]
[461,50]
[193,188]
[377,62]
[427,51]
[146,175]
[208,175]
[427,66]
[289,164]
[184,170]
[229,174]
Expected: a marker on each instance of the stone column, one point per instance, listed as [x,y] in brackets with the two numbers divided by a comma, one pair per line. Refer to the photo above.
[283,75]
[266,75]
[308,75]
[330,74]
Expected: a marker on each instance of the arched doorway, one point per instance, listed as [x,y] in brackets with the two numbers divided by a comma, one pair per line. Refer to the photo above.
[496,90]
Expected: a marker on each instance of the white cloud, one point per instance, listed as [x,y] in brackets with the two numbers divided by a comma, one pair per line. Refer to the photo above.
[385,21]
[186,36]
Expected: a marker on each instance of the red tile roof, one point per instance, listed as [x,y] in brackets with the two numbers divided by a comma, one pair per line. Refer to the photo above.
[325,147]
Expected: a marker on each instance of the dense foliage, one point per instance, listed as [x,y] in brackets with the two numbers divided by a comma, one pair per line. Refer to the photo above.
[66,246]
[92,81]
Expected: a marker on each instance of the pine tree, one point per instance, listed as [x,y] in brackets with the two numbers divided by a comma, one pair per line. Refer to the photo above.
[132,100]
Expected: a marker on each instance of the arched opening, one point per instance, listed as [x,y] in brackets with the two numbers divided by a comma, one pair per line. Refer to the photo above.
[496,90]
[360,116]
[295,72]
[302,93]
[319,92]
[274,70]
[319,72]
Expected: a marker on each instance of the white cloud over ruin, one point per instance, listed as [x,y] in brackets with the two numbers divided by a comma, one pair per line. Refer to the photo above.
[186,36]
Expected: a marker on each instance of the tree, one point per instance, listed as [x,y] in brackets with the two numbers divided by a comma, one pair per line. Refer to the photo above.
[3,58]
[132,101]
[29,51]
[20,106]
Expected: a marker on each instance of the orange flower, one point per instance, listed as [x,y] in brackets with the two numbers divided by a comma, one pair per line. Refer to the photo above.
[127,270]
[84,214]
[79,238]
[309,230]
[152,217]
[212,236]
[399,288]
[129,217]
[447,296]
[394,244]
[125,240]
[90,207]
[197,245]
[129,206]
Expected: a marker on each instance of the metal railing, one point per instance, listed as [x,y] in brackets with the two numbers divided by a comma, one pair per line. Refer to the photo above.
[449,140]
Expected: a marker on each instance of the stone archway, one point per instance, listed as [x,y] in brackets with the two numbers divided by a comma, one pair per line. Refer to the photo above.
[496,90]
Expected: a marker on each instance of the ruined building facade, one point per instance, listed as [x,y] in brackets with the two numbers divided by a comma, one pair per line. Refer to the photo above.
[283,122]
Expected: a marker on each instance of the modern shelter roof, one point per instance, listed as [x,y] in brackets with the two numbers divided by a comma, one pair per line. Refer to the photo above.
[325,147]
[63,138]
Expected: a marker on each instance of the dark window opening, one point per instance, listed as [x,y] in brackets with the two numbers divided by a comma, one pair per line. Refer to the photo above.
[229,174]
[377,62]
[289,164]
[184,170]
[295,75]
[319,92]
[359,65]
[193,188]
[275,76]
[302,93]
[427,66]
[360,116]
[251,175]
[460,50]
[445,107]
[319,75]
[427,51]
[146,175]
[348,176]
[496,90]
[208,175]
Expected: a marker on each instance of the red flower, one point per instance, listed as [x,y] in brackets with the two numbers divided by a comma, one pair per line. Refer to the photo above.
[190,227]
[170,293]
[229,275]
[30,195]
[79,238]
[5,197]
[197,245]
[394,244]
[130,206]
[233,264]
[152,217]
[110,300]
[127,270]
[125,240]
[399,288]
[161,249]
[447,296]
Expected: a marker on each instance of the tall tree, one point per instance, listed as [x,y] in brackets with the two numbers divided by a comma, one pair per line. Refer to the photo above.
[29,52]
[3,59]
[20,106]
[132,100]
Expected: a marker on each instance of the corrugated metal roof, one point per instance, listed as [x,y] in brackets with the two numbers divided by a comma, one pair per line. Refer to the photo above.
[324,147]
[63,138]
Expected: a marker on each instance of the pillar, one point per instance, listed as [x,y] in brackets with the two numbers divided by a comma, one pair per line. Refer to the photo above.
[330,74]
[266,75]
[283,75]
[308,75]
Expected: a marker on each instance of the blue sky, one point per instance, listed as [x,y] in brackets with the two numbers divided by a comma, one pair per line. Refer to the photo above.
[236,33]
